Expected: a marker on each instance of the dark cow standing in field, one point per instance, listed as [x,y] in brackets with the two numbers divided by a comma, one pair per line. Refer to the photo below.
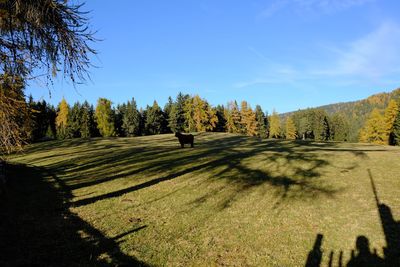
[185,139]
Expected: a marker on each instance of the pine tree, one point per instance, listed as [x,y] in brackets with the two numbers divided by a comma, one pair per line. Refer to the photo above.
[305,127]
[374,129]
[74,121]
[104,117]
[49,133]
[131,119]
[119,114]
[267,124]
[154,119]
[290,129]
[95,132]
[275,125]
[143,118]
[248,120]
[51,116]
[396,130]
[39,119]
[261,122]
[390,116]
[62,119]
[339,128]
[176,121]
[87,121]
[326,131]
[167,113]
[320,124]
[220,113]
[42,121]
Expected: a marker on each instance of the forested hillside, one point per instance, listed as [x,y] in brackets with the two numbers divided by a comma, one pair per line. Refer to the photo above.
[355,112]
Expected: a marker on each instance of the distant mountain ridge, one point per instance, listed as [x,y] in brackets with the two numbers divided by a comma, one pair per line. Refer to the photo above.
[380,101]
[357,111]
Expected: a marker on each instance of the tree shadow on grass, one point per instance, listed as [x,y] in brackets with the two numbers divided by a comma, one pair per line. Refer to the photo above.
[227,158]
[223,159]
[37,228]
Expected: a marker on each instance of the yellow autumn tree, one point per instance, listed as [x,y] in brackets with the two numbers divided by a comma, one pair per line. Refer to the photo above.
[275,125]
[199,115]
[248,119]
[62,119]
[14,115]
[390,116]
[374,129]
[232,115]
[290,129]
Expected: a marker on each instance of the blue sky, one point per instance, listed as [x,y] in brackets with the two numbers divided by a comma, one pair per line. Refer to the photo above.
[282,54]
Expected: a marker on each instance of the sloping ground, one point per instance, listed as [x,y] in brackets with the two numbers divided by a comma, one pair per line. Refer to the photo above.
[231,200]
[357,112]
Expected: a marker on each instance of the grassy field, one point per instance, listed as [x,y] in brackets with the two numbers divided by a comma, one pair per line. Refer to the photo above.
[229,201]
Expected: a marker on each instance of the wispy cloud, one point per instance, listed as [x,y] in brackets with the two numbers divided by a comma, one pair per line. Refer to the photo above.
[301,6]
[273,8]
[373,58]
[275,73]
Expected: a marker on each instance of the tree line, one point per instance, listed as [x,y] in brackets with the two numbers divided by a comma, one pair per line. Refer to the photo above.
[194,114]
[184,114]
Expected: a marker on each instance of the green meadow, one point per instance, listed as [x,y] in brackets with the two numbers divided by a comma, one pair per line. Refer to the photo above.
[229,201]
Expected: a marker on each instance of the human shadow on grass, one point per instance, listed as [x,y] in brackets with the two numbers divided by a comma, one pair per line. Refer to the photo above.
[38,229]
[362,256]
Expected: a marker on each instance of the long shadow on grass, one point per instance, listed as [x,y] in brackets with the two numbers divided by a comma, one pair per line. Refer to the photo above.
[37,228]
[150,162]
[223,159]
[362,256]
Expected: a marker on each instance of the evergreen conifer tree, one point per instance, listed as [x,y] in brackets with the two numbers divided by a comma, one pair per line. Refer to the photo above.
[220,113]
[339,128]
[74,121]
[118,115]
[167,113]
[176,120]
[143,118]
[154,119]
[396,130]
[261,122]
[87,121]
[131,119]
